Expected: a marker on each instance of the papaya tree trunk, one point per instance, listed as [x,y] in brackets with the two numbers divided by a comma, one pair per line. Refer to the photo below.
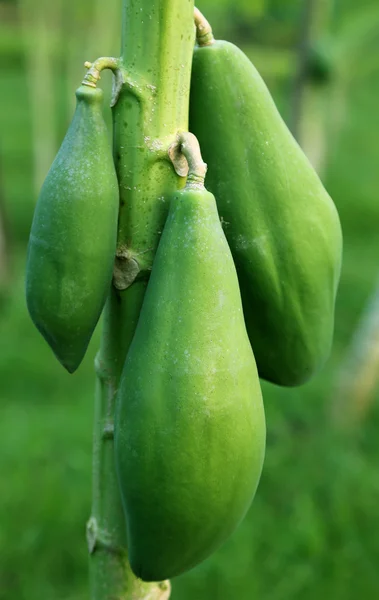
[151,109]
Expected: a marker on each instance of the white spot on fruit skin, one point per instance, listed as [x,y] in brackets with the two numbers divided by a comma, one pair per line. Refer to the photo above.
[244,243]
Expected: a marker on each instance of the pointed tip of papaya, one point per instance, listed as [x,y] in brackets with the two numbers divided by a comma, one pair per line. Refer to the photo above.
[69,362]
[70,367]
[70,355]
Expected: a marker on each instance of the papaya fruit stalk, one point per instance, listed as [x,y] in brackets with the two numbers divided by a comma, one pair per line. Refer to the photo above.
[150,107]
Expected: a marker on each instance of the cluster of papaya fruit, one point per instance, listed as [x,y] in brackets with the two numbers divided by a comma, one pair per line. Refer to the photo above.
[243,285]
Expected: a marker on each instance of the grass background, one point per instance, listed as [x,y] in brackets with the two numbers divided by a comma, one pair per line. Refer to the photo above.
[312,530]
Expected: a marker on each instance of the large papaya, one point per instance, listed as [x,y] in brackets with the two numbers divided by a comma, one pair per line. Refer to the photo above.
[189,424]
[73,236]
[282,227]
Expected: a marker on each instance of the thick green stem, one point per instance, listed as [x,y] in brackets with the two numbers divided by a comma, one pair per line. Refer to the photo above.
[158,42]
[151,110]
[110,574]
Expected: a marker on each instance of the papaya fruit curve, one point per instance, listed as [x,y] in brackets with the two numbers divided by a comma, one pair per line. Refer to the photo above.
[189,422]
[73,236]
[281,225]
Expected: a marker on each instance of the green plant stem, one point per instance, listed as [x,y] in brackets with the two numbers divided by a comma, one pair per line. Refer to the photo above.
[157,54]
[152,108]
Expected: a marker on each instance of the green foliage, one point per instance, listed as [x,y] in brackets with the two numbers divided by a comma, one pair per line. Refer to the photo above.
[45,461]
[356,37]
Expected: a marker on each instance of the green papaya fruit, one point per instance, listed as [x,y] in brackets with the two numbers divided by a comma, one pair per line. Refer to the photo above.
[73,236]
[189,423]
[282,227]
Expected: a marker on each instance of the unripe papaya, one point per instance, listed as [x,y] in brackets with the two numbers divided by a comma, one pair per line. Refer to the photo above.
[282,227]
[189,424]
[73,236]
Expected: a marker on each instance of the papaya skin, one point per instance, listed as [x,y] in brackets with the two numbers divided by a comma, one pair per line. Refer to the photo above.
[281,225]
[189,423]
[73,236]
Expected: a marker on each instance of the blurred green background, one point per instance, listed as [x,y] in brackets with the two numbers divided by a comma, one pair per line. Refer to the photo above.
[312,531]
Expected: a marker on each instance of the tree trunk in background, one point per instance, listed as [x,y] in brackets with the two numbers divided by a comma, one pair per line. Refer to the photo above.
[301,77]
[41,38]
[318,111]
[358,376]
[310,98]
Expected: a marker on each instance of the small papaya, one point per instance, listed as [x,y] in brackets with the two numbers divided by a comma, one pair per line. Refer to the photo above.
[282,226]
[73,236]
[189,422]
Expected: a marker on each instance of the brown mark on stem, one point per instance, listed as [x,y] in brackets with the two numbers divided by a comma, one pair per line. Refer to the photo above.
[126,269]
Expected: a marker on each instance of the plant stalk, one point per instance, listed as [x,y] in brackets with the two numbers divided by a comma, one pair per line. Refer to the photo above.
[151,110]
